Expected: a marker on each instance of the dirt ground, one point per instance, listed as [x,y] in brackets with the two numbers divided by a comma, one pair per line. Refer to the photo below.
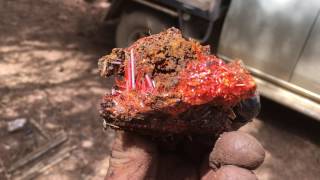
[291,141]
[48,73]
[48,69]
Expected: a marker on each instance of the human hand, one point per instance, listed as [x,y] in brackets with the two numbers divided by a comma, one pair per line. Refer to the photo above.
[230,157]
[233,156]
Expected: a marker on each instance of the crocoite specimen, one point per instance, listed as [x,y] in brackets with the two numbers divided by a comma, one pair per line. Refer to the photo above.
[167,84]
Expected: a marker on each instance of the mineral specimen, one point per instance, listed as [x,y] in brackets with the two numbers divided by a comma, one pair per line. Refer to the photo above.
[166,84]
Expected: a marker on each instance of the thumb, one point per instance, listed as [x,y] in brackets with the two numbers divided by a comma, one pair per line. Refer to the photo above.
[233,156]
[237,148]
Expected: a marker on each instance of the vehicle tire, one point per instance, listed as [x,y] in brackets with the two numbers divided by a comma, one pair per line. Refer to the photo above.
[138,24]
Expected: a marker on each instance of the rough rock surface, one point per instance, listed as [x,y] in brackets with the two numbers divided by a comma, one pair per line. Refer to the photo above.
[167,84]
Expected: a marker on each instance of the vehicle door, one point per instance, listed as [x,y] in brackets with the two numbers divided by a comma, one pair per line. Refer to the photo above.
[270,35]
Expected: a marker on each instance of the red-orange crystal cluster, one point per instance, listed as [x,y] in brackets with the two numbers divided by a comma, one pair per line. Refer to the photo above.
[206,79]
[169,75]
[209,79]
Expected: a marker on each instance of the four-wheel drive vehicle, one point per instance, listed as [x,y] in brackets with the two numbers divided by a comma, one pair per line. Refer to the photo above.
[279,41]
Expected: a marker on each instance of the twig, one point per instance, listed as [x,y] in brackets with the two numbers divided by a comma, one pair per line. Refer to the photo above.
[59,139]
[45,165]
[40,129]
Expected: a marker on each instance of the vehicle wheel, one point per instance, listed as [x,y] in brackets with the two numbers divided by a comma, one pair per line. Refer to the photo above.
[139,24]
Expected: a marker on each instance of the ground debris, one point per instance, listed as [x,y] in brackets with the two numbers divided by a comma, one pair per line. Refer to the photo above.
[46,164]
[41,130]
[55,142]
[16,124]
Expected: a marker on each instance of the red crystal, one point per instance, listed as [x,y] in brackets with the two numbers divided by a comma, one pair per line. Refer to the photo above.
[200,77]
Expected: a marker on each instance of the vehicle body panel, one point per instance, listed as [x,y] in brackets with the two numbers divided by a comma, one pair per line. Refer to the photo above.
[115,9]
[279,41]
[307,72]
[267,35]
[187,6]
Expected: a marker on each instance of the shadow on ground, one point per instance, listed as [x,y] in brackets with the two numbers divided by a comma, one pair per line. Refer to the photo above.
[48,68]
[291,141]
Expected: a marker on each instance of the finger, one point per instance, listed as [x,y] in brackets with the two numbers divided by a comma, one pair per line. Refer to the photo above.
[131,157]
[229,172]
[237,148]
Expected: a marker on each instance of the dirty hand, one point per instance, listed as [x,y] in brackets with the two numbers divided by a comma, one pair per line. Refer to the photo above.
[231,157]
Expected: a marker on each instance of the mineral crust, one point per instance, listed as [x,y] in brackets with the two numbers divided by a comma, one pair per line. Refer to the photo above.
[166,84]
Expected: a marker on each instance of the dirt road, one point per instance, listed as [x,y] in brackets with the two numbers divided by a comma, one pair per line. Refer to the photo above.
[48,69]
[291,141]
